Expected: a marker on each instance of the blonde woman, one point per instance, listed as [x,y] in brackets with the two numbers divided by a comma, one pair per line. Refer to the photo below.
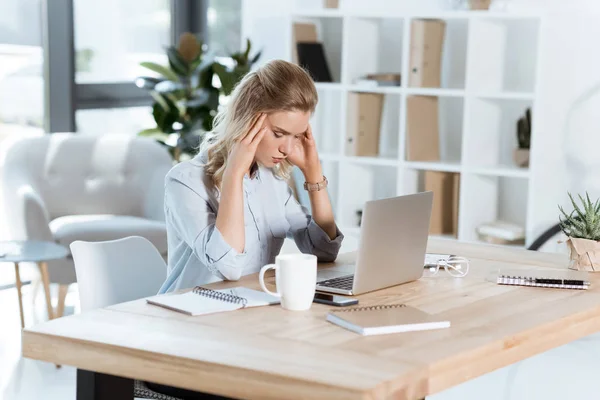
[229,209]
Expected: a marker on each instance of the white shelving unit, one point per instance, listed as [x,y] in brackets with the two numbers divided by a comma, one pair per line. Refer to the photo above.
[489,78]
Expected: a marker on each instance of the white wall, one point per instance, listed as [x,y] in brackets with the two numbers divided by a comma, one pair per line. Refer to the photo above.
[568,116]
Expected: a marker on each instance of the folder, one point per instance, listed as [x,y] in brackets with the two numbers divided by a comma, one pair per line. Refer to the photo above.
[444,213]
[363,124]
[426,44]
[422,128]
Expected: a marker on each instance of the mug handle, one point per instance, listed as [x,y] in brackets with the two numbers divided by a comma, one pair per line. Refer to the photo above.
[261,279]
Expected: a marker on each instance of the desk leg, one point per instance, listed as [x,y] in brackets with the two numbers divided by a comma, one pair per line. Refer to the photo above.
[97,386]
[18,285]
[46,281]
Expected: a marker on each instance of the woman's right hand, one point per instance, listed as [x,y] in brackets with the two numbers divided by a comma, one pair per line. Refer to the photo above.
[243,151]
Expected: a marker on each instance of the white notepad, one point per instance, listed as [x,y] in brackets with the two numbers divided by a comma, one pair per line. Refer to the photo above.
[201,300]
[384,319]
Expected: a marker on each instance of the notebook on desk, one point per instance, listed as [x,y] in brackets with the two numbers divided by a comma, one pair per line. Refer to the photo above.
[202,300]
[548,278]
[393,318]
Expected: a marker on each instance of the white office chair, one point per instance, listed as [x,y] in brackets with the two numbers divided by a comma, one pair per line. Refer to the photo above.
[117,271]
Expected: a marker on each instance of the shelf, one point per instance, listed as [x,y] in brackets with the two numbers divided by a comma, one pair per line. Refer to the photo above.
[319,13]
[438,92]
[351,231]
[375,89]
[332,13]
[372,46]
[329,32]
[492,132]
[488,79]
[433,166]
[384,161]
[361,183]
[505,95]
[492,198]
[326,121]
[506,171]
[506,55]
[329,156]
[329,86]
[443,237]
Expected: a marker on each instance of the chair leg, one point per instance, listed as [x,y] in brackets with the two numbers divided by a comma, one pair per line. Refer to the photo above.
[35,288]
[46,281]
[62,294]
[18,285]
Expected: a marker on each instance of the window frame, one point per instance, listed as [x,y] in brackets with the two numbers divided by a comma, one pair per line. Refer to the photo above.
[63,96]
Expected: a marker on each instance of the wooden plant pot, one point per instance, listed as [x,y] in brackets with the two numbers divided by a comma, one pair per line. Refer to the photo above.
[584,254]
[521,157]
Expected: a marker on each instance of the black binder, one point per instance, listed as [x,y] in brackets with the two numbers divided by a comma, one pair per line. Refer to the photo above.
[311,57]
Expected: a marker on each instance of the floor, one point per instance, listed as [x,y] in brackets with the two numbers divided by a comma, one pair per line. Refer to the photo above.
[564,373]
[20,378]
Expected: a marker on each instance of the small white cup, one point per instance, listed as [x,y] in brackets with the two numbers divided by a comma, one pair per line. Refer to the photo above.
[296,279]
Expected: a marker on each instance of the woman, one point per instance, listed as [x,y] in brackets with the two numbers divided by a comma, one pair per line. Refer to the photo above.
[229,209]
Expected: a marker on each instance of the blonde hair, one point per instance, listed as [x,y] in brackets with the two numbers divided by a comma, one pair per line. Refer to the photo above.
[276,86]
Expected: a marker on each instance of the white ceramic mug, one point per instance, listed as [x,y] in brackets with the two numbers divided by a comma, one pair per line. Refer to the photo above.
[296,279]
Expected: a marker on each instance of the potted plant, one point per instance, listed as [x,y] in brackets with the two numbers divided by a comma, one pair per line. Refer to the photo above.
[521,154]
[582,228]
[186,95]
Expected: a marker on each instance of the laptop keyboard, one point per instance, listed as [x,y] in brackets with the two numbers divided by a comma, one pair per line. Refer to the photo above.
[342,282]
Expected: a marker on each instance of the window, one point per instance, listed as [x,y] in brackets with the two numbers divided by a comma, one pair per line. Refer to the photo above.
[224,18]
[21,67]
[118,121]
[113,36]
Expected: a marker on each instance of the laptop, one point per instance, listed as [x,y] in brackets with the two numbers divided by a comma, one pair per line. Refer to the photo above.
[392,247]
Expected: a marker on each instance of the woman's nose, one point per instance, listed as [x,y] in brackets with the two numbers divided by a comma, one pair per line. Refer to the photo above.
[286,147]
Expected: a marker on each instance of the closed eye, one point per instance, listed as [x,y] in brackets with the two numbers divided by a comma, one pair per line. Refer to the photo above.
[277,134]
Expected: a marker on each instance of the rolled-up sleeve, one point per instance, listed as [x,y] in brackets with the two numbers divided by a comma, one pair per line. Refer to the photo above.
[191,216]
[308,235]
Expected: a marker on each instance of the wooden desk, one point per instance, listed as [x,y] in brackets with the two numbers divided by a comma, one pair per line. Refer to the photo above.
[270,353]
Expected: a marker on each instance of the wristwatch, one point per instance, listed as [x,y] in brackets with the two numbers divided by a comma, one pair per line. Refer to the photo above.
[315,187]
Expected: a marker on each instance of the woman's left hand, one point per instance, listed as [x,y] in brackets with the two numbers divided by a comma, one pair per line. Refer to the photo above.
[306,157]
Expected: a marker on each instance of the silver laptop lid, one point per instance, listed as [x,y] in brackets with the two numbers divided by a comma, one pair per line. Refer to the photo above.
[393,241]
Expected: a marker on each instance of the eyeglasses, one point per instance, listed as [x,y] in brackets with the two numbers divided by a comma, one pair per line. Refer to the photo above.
[454,265]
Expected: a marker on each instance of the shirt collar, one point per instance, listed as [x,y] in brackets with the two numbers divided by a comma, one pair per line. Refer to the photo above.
[254,173]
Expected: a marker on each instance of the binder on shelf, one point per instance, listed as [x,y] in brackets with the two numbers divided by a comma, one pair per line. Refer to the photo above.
[427,40]
[444,214]
[422,128]
[302,32]
[311,56]
[363,124]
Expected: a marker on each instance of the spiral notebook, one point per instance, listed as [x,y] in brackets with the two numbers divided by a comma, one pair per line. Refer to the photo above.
[547,278]
[202,300]
[384,319]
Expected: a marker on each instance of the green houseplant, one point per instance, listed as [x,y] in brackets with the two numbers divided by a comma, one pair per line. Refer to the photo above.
[187,95]
[582,228]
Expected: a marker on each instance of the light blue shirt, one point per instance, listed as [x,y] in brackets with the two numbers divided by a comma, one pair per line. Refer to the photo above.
[198,253]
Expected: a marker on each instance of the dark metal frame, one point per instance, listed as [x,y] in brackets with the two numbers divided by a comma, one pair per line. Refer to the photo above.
[63,96]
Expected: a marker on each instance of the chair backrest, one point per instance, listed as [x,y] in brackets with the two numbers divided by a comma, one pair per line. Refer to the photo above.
[117,271]
[78,174]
